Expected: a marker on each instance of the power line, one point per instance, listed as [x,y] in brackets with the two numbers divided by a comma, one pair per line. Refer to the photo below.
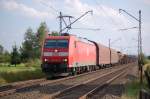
[106,13]
[92,29]
[140,58]
[70,23]
[63,20]
[127,28]
[49,6]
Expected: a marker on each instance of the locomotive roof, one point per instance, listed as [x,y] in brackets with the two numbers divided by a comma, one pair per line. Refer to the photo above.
[67,37]
[57,37]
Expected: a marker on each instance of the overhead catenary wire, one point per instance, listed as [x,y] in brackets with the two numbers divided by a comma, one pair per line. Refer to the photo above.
[92,29]
[69,25]
[55,11]
[113,20]
[105,13]
[127,28]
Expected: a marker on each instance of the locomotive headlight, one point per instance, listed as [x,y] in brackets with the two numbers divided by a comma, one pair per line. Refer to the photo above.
[55,50]
[65,60]
[45,60]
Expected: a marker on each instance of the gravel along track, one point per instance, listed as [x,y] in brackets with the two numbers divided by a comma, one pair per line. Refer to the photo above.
[116,88]
[19,84]
[78,91]
[12,87]
[46,88]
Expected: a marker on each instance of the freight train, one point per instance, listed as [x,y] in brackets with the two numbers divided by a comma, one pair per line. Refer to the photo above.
[70,55]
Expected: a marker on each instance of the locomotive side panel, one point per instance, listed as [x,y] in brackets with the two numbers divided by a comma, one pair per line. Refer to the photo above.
[72,56]
[86,54]
[81,53]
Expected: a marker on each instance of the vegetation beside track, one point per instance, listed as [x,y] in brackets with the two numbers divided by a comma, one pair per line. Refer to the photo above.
[20,72]
[132,88]
[23,62]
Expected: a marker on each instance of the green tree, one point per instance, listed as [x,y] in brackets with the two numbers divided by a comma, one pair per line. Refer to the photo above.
[31,47]
[28,46]
[6,57]
[1,49]
[41,32]
[15,56]
[54,33]
[1,54]
[148,57]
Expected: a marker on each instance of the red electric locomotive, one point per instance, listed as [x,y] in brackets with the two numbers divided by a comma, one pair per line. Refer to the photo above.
[63,55]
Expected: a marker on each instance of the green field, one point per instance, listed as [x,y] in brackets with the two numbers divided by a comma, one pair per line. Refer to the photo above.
[20,67]
[20,72]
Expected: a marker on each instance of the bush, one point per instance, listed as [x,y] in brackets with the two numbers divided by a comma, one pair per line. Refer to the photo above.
[20,75]
[33,63]
[21,72]
[146,61]
[133,88]
[147,74]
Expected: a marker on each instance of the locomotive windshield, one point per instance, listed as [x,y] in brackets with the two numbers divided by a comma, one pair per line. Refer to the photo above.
[56,44]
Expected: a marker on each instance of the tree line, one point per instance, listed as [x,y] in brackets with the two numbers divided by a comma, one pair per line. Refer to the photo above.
[30,48]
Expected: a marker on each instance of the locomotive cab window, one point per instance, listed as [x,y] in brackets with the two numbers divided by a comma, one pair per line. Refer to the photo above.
[56,44]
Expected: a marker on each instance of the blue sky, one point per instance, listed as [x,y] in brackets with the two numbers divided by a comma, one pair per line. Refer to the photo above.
[17,15]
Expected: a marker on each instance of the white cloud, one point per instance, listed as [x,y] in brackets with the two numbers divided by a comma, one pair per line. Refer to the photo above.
[101,13]
[146,2]
[12,5]
[104,16]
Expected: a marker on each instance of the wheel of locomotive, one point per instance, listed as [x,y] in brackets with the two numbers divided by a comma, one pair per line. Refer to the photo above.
[99,66]
[49,76]
[74,71]
[87,68]
[90,68]
[94,67]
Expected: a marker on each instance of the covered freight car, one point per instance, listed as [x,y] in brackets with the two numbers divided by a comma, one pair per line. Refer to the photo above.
[107,56]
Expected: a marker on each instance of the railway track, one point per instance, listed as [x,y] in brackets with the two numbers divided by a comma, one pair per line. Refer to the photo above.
[9,86]
[84,90]
[115,88]
[47,89]
[93,92]
[25,85]
[13,87]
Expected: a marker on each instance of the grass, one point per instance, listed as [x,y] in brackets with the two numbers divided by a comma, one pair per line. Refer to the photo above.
[21,72]
[7,77]
[132,88]
[12,68]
